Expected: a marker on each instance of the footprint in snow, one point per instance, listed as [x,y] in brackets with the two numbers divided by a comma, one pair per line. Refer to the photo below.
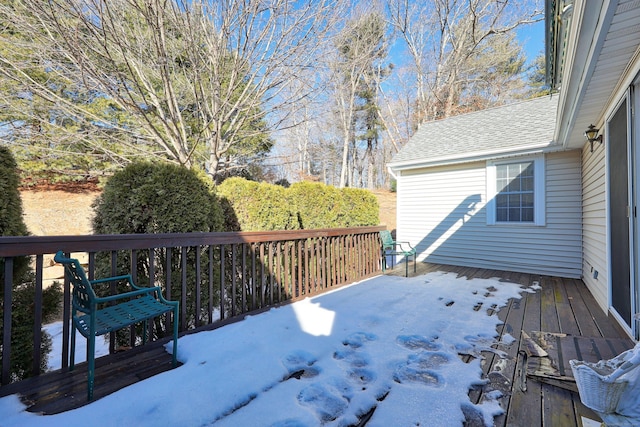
[356,359]
[429,360]
[327,401]
[299,364]
[422,368]
[358,339]
[361,376]
[418,342]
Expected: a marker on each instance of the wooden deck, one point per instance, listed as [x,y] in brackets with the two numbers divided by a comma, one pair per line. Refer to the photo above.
[561,306]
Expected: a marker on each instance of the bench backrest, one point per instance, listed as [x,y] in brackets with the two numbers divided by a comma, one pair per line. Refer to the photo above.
[82,291]
[387,239]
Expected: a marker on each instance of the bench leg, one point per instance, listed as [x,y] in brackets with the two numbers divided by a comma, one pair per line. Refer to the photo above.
[72,356]
[91,362]
[175,337]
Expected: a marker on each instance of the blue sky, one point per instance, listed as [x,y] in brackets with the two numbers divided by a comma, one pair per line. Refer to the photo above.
[532,37]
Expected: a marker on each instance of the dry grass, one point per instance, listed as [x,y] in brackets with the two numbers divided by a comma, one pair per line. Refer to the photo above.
[387,202]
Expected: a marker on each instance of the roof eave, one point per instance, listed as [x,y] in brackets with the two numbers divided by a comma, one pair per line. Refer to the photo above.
[585,39]
[547,147]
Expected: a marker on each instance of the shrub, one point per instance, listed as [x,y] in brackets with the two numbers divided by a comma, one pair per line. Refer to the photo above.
[157,198]
[361,208]
[317,205]
[23,287]
[11,222]
[324,206]
[258,206]
[160,198]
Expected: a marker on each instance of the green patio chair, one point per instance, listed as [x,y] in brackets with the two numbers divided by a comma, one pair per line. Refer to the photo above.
[93,316]
[392,248]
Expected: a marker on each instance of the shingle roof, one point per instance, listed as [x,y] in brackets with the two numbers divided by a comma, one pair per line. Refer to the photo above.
[508,128]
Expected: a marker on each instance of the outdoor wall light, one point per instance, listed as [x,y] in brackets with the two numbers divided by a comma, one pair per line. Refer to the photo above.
[592,135]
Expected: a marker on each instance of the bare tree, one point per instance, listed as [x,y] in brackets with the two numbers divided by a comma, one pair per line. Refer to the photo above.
[358,46]
[447,41]
[201,81]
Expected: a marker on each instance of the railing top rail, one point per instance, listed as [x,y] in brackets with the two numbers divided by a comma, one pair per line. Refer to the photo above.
[36,245]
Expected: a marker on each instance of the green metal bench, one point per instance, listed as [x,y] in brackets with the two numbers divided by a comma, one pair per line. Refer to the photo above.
[391,247]
[93,316]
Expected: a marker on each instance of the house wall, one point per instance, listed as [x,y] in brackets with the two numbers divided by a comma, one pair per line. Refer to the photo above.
[441,211]
[594,218]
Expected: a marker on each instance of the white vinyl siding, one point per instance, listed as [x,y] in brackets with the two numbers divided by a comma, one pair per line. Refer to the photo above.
[442,212]
[595,225]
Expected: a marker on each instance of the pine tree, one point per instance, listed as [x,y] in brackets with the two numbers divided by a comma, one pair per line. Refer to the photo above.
[23,289]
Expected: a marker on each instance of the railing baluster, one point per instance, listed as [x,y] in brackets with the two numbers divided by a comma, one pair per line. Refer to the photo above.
[244,279]
[279,280]
[134,277]
[210,302]
[168,285]
[271,270]
[222,282]
[300,285]
[263,281]
[6,320]
[234,277]
[198,298]
[254,301]
[66,320]
[183,288]
[37,316]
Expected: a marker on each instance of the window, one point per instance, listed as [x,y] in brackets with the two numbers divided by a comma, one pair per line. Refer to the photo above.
[515,191]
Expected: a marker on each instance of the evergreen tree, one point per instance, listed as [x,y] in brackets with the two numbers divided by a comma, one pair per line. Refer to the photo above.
[359,69]
[23,289]
[537,78]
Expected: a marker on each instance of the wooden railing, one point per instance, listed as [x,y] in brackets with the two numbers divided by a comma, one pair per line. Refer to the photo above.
[217,277]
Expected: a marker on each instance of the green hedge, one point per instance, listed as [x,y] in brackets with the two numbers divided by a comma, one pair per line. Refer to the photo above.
[258,206]
[317,205]
[361,207]
[304,205]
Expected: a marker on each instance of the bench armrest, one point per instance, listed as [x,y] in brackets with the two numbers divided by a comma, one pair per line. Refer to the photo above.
[137,290]
[127,295]
[399,245]
[126,277]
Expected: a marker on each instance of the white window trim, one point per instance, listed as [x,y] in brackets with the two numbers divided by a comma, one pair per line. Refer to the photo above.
[538,190]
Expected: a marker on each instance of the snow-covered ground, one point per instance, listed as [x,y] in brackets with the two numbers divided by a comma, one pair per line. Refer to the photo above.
[388,343]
